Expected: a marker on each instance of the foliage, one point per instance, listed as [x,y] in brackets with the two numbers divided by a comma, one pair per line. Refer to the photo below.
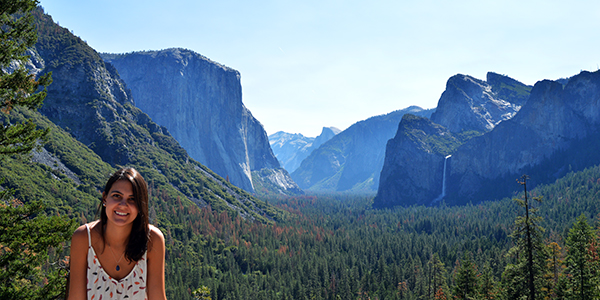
[523,275]
[27,269]
[325,247]
[582,262]
[18,86]
[26,235]
[466,285]
[202,293]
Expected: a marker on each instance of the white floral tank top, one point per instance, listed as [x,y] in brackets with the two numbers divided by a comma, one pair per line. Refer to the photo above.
[100,286]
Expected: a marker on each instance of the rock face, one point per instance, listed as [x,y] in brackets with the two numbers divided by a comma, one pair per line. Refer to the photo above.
[292,148]
[472,104]
[200,102]
[403,180]
[352,160]
[555,131]
[89,100]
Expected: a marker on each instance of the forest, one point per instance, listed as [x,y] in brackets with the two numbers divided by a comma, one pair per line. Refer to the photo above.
[338,247]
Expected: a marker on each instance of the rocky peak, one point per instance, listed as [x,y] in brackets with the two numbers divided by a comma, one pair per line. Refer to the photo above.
[326,134]
[292,148]
[555,131]
[472,104]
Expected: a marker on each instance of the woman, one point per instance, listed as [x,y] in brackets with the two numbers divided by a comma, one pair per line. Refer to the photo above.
[120,256]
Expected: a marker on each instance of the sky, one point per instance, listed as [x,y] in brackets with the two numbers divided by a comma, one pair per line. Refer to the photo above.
[311,64]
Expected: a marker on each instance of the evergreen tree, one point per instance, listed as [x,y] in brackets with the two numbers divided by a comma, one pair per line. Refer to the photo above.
[466,285]
[18,87]
[524,277]
[436,277]
[555,265]
[26,234]
[25,238]
[487,286]
[582,261]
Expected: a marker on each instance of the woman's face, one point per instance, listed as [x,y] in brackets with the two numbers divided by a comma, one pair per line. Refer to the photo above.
[121,208]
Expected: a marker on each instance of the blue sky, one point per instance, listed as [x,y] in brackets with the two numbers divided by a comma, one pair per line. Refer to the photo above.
[308,64]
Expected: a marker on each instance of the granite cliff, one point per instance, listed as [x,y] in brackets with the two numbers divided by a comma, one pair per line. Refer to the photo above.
[352,160]
[555,131]
[200,102]
[292,148]
[401,177]
[472,104]
[90,102]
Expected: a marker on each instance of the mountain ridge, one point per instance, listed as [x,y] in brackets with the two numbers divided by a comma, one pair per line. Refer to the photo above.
[88,101]
[469,103]
[292,148]
[352,160]
[553,132]
[200,102]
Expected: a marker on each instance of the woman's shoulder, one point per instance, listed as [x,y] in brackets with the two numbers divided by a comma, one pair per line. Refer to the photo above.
[82,231]
[155,233]
[80,237]
[157,239]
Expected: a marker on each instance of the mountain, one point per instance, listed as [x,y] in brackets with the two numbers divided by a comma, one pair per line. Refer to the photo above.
[352,160]
[200,102]
[472,104]
[292,148]
[555,132]
[413,170]
[92,111]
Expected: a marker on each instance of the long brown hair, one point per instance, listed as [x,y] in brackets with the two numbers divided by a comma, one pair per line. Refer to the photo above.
[137,243]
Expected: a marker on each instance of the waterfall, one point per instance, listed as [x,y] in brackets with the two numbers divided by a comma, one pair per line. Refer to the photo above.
[443,194]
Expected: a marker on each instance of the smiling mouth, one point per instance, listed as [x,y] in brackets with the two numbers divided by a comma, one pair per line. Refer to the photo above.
[121,213]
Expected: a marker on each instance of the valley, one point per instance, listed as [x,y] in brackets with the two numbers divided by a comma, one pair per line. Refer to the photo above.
[413,204]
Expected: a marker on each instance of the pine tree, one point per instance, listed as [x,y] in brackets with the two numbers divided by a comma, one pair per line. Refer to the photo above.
[466,285]
[26,234]
[555,265]
[436,277]
[18,86]
[487,286]
[524,277]
[582,261]
[25,237]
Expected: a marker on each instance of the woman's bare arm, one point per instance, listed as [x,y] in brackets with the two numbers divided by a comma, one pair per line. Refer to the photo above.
[78,264]
[156,265]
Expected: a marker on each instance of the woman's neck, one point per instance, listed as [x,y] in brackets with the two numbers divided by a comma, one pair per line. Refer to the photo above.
[116,236]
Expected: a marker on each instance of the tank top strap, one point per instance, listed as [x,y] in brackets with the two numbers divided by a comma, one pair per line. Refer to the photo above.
[89,235]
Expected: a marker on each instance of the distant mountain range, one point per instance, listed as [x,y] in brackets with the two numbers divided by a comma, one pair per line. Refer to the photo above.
[352,160]
[292,148]
[180,118]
